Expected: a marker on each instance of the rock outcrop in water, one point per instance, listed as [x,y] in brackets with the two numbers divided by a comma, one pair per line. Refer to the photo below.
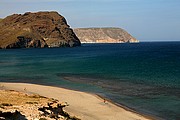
[41,29]
[104,35]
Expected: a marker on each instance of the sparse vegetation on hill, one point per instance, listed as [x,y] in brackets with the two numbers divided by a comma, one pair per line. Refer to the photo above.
[41,29]
[104,35]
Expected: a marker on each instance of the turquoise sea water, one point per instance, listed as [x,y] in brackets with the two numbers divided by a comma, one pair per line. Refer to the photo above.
[144,77]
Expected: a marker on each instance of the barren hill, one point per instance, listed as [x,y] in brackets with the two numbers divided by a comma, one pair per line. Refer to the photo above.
[41,29]
[104,35]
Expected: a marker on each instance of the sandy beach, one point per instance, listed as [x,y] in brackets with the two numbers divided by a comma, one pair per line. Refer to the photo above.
[82,105]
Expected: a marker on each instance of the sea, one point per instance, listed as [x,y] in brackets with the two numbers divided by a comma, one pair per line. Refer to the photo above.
[143,77]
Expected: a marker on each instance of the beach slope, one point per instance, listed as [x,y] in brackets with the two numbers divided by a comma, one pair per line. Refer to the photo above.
[82,105]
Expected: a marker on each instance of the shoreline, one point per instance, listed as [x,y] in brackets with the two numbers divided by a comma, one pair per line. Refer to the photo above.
[151,117]
[86,109]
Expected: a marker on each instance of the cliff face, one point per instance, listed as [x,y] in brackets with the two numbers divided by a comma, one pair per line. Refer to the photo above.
[104,35]
[41,29]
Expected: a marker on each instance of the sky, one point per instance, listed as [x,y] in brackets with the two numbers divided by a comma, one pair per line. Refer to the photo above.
[146,20]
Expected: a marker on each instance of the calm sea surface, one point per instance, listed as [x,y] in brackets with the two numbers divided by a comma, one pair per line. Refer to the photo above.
[144,77]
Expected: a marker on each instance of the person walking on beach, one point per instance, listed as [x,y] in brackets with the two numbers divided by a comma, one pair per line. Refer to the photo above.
[104,100]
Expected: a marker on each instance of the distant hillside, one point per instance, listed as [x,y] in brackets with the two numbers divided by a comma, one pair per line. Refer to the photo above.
[1,19]
[104,35]
[41,29]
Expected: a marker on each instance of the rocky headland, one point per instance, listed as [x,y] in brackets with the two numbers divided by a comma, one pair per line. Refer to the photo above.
[104,35]
[37,30]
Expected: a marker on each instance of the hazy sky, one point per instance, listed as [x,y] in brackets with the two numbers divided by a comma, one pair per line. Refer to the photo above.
[144,19]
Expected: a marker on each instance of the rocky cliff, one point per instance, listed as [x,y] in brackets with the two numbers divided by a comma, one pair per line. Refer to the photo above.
[104,35]
[41,29]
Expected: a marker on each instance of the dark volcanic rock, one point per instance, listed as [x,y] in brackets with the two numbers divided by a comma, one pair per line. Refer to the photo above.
[12,116]
[41,29]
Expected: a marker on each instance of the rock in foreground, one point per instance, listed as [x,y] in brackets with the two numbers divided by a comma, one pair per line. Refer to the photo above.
[16,105]
[38,30]
[104,35]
